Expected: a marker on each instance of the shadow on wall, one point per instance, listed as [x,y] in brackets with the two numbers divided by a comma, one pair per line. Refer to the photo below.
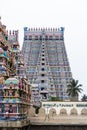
[63,112]
[84,112]
[73,112]
[52,113]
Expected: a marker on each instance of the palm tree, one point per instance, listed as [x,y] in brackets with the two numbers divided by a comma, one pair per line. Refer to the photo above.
[73,90]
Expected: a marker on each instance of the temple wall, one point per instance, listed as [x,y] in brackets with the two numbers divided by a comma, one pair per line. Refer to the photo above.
[68,108]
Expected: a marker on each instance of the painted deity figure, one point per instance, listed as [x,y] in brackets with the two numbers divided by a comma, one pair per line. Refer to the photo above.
[1,79]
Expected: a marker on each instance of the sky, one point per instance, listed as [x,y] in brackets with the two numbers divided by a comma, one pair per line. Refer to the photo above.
[70,14]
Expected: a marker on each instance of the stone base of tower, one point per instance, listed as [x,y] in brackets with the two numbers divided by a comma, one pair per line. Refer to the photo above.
[15,125]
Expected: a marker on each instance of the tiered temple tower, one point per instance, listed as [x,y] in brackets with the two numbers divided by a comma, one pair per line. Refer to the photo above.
[14,86]
[47,63]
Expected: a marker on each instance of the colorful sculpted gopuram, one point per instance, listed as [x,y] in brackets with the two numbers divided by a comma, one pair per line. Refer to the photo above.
[14,86]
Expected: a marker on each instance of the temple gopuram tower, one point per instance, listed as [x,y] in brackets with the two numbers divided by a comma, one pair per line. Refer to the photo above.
[47,62]
[14,86]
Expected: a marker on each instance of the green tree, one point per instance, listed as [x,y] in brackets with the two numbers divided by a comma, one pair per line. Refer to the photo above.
[73,90]
[84,98]
[54,99]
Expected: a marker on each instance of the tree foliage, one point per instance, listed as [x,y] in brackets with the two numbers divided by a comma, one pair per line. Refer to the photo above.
[73,89]
[54,99]
[84,98]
